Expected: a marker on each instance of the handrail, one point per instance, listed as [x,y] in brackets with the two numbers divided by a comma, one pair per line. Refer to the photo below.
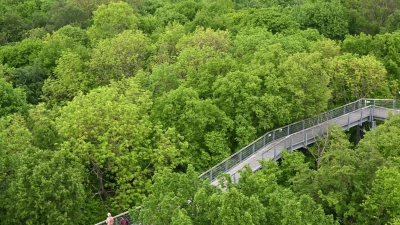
[277,134]
[282,132]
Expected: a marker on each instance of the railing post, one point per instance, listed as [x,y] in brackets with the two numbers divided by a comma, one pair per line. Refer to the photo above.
[288,130]
[373,110]
[348,122]
[305,139]
[291,144]
[264,139]
[302,124]
[344,110]
[226,165]
[253,148]
[240,156]
[211,176]
[372,113]
[273,136]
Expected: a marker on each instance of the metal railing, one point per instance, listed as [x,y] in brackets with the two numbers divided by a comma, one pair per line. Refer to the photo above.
[277,134]
[280,133]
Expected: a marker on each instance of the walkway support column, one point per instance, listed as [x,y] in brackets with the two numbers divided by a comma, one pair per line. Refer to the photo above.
[360,129]
[373,124]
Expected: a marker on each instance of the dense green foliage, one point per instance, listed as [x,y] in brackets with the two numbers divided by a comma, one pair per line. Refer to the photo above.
[106,105]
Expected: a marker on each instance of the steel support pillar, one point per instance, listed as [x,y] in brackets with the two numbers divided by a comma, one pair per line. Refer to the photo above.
[359,135]
[373,124]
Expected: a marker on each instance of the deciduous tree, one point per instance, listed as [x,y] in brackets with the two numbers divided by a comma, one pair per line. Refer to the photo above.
[112,19]
[71,77]
[116,141]
[354,77]
[119,57]
[12,100]
[382,202]
[331,18]
[200,122]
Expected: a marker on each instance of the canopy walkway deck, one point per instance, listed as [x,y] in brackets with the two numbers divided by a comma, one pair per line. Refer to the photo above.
[298,135]
[301,134]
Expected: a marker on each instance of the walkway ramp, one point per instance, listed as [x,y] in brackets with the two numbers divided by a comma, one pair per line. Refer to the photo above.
[301,134]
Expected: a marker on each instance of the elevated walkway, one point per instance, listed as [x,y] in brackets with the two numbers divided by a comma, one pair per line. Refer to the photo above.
[298,135]
[301,134]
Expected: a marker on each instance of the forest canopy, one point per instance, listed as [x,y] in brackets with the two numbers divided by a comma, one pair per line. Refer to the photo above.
[107,105]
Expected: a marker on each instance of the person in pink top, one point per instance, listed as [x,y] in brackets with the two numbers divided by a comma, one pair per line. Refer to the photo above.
[109,220]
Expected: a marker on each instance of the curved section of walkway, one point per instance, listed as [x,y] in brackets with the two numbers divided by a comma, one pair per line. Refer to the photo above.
[298,135]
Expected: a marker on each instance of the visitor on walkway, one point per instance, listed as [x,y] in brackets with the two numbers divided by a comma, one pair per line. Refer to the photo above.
[109,220]
[124,221]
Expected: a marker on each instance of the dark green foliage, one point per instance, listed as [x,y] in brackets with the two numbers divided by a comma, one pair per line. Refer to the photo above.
[181,12]
[30,79]
[150,6]
[392,22]
[11,28]
[42,127]
[372,17]
[18,17]
[331,18]
[61,14]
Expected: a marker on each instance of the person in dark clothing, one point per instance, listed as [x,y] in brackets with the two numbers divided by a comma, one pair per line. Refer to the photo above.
[124,221]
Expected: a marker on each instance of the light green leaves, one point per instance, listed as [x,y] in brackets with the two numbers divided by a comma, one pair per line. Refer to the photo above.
[236,208]
[112,19]
[11,100]
[70,79]
[356,77]
[119,57]
[303,83]
[201,38]
[383,200]
[110,131]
